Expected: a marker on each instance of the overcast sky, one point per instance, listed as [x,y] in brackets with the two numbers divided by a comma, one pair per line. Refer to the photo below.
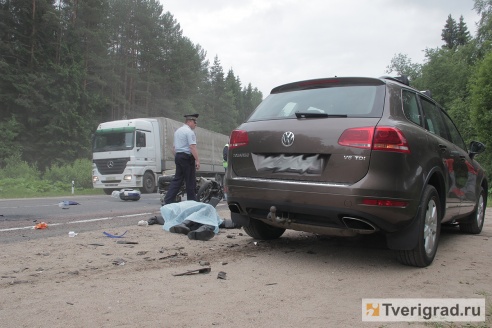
[272,42]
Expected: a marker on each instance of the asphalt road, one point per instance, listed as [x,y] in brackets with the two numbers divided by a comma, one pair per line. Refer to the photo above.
[19,216]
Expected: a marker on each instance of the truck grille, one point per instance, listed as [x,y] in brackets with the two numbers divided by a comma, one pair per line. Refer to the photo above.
[112,165]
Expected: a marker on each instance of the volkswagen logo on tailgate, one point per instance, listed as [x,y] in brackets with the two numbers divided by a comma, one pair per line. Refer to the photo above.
[288,139]
[110,164]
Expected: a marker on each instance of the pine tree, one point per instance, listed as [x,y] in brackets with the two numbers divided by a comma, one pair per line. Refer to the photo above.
[448,34]
[462,34]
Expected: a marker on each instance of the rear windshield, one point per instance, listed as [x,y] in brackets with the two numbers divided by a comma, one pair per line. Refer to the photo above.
[352,101]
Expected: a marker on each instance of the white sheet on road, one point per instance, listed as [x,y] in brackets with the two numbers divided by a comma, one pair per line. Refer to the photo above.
[203,213]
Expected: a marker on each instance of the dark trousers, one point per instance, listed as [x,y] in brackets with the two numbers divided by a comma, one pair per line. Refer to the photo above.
[185,171]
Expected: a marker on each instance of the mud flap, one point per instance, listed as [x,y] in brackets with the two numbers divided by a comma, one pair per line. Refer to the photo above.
[405,239]
[240,220]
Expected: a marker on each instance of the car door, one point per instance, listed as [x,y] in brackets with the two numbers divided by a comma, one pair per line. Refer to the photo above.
[434,123]
[465,172]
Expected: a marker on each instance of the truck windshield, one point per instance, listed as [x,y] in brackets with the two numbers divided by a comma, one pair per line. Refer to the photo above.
[105,140]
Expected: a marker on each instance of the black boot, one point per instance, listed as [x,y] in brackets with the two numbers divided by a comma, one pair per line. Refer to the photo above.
[204,232]
[183,228]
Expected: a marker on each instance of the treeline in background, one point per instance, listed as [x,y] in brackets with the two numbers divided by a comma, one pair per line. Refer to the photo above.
[67,65]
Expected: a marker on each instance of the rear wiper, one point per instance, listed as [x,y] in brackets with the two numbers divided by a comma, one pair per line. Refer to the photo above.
[311,115]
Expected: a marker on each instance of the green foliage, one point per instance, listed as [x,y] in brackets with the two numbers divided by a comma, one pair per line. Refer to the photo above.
[403,65]
[15,168]
[80,172]
[481,106]
[10,130]
[19,179]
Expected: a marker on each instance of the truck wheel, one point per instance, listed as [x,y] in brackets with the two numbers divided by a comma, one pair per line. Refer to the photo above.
[429,227]
[148,183]
[108,191]
[203,194]
[474,223]
[262,231]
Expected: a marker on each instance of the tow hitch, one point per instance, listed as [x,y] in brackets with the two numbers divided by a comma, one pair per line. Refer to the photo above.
[272,216]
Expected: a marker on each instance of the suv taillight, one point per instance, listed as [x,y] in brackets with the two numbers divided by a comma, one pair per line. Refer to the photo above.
[239,138]
[380,138]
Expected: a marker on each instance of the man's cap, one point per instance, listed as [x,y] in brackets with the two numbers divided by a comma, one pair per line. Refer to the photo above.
[191,116]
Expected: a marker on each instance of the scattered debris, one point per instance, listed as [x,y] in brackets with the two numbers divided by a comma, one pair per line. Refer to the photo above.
[119,261]
[168,256]
[142,252]
[16,282]
[96,244]
[41,225]
[66,204]
[221,275]
[143,223]
[191,272]
[204,263]
[127,242]
[114,236]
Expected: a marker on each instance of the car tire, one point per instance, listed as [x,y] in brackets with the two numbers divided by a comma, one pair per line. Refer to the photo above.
[262,231]
[474,223]
[148,183]
[429,229]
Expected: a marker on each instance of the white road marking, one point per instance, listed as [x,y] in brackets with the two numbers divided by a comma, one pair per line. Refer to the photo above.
[78,221]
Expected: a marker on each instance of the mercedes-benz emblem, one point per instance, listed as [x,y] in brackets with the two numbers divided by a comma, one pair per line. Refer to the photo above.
[288,139]
[110,164]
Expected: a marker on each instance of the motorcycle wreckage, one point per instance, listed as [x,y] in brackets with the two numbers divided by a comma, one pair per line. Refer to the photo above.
[206,188]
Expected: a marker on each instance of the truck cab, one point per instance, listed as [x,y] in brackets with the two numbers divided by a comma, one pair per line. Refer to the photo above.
[126,154]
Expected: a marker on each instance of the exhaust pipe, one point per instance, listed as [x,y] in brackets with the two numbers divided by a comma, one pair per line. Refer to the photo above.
[358,224]
[234,208]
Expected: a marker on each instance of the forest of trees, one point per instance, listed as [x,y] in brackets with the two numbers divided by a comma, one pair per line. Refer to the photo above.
[67,65]
[459,76]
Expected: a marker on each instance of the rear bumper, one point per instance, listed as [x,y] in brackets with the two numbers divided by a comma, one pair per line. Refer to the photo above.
[333,209]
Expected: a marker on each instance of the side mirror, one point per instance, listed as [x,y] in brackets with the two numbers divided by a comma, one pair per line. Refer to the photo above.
[476,147]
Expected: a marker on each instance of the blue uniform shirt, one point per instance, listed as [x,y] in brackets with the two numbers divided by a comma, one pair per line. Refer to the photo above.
[183,138]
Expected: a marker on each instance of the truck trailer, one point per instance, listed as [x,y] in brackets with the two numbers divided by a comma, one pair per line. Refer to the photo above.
[134,153]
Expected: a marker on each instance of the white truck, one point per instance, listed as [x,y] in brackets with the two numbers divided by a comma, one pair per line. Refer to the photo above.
[134,153]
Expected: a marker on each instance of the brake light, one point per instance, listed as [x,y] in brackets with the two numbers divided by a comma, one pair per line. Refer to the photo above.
[357,137]
[384,202]
[379,138]
[390,139]
[239,138]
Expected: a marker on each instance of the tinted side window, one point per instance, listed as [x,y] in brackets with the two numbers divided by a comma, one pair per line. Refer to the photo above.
[454,134]
[433,119]
[410,106]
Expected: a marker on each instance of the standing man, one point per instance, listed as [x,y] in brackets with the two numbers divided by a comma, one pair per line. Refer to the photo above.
[186,159]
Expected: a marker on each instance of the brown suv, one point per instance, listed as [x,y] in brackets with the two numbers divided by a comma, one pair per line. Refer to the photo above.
[348,156]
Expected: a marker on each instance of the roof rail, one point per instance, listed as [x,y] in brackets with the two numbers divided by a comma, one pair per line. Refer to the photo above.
[428,93]
[401,79]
